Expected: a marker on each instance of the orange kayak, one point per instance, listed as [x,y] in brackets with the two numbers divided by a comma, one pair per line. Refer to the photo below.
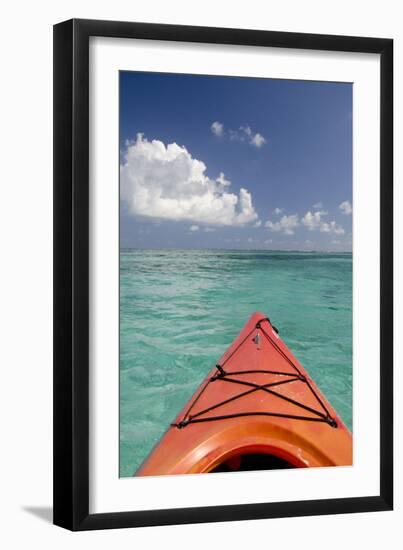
[258,409]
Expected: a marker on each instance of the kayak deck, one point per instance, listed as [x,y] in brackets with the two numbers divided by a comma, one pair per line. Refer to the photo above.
[266,380]
[257,408]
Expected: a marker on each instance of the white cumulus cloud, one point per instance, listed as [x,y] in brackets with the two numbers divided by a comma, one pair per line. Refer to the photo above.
[217,128]
[278,211]
[194,228]
[165,182]
[246,133]
[317,205]
[286,224]
[346,207]
[313,221]
[243,133]
[332,227]
[258,140]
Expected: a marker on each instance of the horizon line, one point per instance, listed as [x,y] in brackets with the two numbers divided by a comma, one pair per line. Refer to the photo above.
[237,249]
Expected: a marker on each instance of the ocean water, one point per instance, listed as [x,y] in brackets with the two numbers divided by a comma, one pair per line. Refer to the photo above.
[180,310]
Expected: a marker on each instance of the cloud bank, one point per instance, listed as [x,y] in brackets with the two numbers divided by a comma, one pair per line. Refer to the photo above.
[286,225]
[166,182]
[314,221]
[311,220]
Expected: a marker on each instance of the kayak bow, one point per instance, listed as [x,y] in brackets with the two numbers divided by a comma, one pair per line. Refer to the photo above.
[257,409]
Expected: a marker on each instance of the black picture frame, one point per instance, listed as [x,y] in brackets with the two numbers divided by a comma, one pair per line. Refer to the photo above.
[71,274]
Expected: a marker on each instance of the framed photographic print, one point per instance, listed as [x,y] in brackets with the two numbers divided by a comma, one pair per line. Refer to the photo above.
[223,274]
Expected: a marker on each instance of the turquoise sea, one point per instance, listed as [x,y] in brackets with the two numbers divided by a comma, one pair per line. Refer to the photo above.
[180,309]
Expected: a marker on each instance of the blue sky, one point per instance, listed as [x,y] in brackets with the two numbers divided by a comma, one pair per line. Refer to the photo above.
[229,162]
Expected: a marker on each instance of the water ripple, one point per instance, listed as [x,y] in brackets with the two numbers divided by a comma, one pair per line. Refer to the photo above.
[180,309]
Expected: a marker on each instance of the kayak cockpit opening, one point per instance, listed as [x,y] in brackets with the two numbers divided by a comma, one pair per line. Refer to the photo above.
[251,462]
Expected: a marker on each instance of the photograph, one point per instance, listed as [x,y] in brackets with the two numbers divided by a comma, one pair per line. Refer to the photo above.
[236,211]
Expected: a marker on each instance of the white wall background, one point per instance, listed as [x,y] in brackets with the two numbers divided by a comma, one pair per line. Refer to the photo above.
[26,270]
